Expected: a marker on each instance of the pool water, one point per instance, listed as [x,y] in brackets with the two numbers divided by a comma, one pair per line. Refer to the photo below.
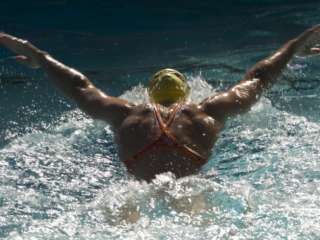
[60,176]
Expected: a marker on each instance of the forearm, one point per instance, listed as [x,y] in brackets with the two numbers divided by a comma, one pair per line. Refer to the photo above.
[268,69]
[68,80]
[262,75]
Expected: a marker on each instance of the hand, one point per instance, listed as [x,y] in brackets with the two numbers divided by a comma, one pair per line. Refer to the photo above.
[310,42]
[28,54]
[306,51]
[315,50]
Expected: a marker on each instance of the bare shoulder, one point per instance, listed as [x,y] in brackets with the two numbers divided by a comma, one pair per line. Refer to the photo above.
[196,128]
[189,112]
[198,113]
[141,109]
[138,126]
[138,114]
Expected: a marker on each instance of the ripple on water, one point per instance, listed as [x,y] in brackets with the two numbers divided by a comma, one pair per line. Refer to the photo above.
[65,182]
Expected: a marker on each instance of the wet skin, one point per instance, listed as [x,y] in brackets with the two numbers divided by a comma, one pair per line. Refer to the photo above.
[195,125]
[191,127]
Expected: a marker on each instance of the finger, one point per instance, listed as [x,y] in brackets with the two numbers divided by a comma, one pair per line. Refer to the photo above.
[7,38]
[17,45]
[4,37]
[23,60]
[315,50]
[12,43]
[26,61]
[2,34]
[315,28]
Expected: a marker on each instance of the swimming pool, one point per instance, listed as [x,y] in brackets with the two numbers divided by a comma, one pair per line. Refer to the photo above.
[60,175]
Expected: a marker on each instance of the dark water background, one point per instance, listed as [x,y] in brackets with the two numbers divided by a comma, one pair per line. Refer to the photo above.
[59,172]
[110,40]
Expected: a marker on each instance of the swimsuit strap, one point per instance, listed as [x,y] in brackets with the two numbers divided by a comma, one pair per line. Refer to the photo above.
[164,126]
[165,132]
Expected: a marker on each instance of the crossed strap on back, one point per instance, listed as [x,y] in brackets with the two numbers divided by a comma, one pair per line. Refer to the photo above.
[166,139]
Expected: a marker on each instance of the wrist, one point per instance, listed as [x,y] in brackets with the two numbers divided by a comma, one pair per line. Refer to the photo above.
[41,57]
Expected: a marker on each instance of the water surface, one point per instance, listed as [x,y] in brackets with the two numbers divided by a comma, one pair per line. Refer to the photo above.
[60,173]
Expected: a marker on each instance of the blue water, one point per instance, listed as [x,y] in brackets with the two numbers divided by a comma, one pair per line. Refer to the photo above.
[60,176]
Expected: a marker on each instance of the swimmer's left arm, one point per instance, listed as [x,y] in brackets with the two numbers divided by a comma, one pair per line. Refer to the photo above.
[70,81]
[260,77]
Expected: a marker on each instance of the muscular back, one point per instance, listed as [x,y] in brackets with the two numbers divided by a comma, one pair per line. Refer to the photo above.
[191,127]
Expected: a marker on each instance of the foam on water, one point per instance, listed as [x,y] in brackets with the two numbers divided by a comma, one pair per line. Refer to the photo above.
[200,89]
[262,182]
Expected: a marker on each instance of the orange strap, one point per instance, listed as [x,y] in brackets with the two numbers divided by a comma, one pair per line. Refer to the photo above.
[165,136]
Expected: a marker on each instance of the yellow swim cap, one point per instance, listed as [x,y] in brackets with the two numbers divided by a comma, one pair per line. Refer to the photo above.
[168,86]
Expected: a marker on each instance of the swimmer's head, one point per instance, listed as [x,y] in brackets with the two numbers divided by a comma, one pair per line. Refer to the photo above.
[168,86]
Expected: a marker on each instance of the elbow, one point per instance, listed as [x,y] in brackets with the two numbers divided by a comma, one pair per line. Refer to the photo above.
[79,81]
[260,71]
[92,109]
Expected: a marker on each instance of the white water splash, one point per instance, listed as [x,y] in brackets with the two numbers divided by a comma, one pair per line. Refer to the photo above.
[64,183]
[200,89]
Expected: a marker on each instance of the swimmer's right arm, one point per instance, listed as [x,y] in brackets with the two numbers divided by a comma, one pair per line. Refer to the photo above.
[71,82]
[261,76]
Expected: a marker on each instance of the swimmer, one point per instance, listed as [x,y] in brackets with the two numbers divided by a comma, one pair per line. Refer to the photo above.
[168,133]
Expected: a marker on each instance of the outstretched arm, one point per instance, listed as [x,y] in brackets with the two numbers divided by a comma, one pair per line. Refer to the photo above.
[70,81]
[261,76]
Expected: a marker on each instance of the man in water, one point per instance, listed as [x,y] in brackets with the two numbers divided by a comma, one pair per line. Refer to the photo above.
[169,133]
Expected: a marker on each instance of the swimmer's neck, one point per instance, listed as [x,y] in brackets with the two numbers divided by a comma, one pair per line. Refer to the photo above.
[170,104]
